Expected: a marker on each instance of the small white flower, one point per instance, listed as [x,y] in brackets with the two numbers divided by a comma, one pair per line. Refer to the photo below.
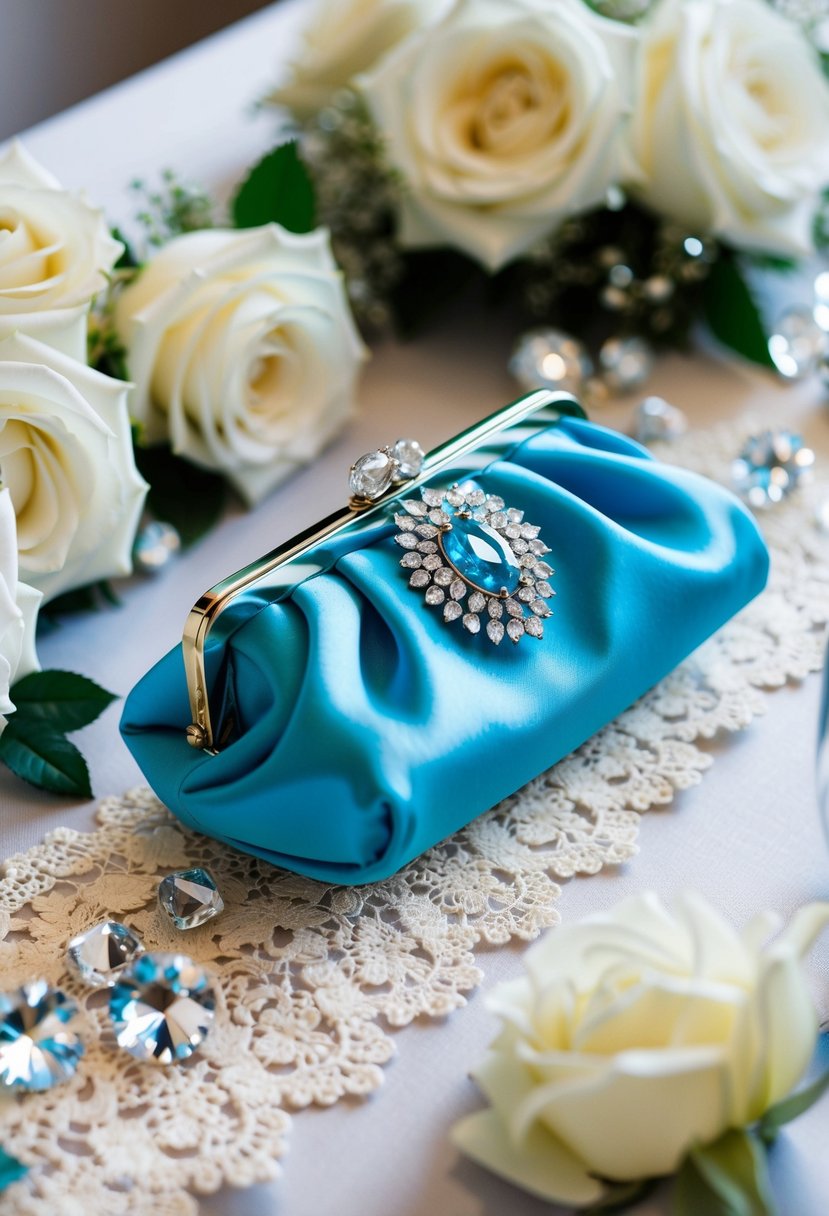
[18,612]
[243,351]
[503,119]
[66,458]
[731,125]
[55,255]
[636,1034]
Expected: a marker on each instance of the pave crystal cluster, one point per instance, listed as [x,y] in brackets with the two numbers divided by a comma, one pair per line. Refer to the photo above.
[477,560]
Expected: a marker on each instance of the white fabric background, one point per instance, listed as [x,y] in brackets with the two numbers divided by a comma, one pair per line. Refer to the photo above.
[748,836]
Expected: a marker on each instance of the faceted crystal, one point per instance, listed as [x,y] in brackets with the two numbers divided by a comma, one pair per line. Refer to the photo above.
[515,629]
[495,609]
[656,419]
[36,1049]
[155,546]
[444,577]
[407,540]
[550,358]
[189,897]
[533,626]
[544,589]
[409,456]
[427,546]
[498,520]
[472,622]
[427,531]
[476,602]
[481,555]
[540,608]
[411,560]
[451,610]
[415,506]
[432,562]
[454,498]
[494,503]
[513,608]
[162,1007]
[371,475]
[420,578]
[542,570]
[495,630]
[457,589]
[405,522]
[770,466]
[435,595]
[99,955]
[797,343]
[626,363]
[432,498]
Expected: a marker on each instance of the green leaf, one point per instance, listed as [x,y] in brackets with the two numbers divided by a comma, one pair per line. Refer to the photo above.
[11,1170]
[622,1194]
[127,260]
[181,494]
[789,1108]
[430,280]
[277,190]
[726,1178]
[64,699]
[732,314]
[82,599]
[44,757]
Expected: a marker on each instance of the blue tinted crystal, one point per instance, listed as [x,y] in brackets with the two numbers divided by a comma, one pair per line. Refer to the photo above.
[162,1007]
[481,555]
[37,1050]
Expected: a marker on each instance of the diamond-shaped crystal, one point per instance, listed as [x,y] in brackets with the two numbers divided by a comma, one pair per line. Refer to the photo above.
[162,1007]
[190,897]
[451,610]
[495,630]
[37,1050]
[371,475]
[495,609]
[540,608]
[472,622]
[526,594]
[513,607]
[406,523]
[409,456]
[99,955]
[415,506]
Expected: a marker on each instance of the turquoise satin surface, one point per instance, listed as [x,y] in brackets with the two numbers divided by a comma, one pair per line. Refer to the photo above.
[370,729]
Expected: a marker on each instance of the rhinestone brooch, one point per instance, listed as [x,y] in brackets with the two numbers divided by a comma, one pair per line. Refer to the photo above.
[477,560]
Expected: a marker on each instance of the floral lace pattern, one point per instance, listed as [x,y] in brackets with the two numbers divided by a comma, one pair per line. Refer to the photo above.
[311,978]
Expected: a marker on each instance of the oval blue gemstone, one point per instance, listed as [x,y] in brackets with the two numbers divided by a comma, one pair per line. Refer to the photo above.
[481,555]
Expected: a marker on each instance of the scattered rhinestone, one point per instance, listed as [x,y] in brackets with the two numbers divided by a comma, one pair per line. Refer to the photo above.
[37,1050]
[162,1007]
[99,955]
[190,897]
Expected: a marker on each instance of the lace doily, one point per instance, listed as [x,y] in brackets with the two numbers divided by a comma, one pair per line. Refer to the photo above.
[312,979]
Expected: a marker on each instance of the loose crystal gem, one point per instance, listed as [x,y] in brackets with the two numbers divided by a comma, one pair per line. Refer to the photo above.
[409,456]
[405,522]
[99,955]
[457,589]
[550,358]
[37,1050]
[533,626]
[451,610]
[626,363]
[515,629]
[513,607]
[540,608]
[415,506]
[190,897]
[495,609]
[472,622]
[797,343]
[444,577]
[657,419]
[155,546]
[544,589]
[498,520]
[476,602]
[162,1007]
[432,562]
[427,546]
[407,540]
[770,466]
[495,630]
[412,560]
[435,595]
[481,555]
[427,531]
[494,503]
[371,475]
[420,578]
[432,498]
[542,570]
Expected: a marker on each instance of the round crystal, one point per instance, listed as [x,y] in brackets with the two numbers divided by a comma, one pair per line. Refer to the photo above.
[36,1049]
[656,419]
[625,363]
[409,456]
[155,546]
[550,358]
[99,955]
[162,1007]
[371,475]
[797,343]
[770,466]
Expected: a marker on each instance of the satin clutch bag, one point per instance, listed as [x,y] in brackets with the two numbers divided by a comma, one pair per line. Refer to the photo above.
[373,685]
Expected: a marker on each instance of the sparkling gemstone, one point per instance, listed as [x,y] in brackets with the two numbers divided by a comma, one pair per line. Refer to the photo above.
[495,631]
[494,503]
[454,498]
[520,546]
[37,1050]
[420,578]
[409,456]
[427,546]
[190,897]
[530,531]
[472,622]
[407,540]
[537,546]
[476,602]
[416,506]
[544,589]
[405,522]
[435,595]
[797,343]
[626,363]
[475,497]
[512,531]
[527,594]
[770,466]
[432,562]
[155,546]
[542,570]
[371,475]
[444,577]
[540,608]
[514,515]
[656,419]
[457,589]
[412,560]
[550,358]
[513,607]
[481,555]
[515,629]
[99,955]
[451,610]
[533,626]
[498,520]
[162,1007]
[527,560]
[495,609]
[427,531]
[440,518]
[432,498]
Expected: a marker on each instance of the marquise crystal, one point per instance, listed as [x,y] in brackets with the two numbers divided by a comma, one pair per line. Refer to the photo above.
[478,561]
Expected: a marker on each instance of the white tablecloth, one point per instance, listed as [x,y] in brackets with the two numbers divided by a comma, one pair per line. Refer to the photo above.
[748,836]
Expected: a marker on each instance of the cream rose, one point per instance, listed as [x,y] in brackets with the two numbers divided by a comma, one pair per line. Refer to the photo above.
[731,122]
[635,1034]
[503,119]
[66,459]
[18,612]
[55,254]
[243,351]
[343,38]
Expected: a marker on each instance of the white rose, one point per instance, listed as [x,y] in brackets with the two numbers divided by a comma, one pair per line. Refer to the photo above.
[343,38]
[503,119]
[243,351]
[55,254]
[635,1034]
[18,612]
[731,122]
[66,457]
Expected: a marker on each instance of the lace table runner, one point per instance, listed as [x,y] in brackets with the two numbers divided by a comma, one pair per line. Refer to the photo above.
[312,979]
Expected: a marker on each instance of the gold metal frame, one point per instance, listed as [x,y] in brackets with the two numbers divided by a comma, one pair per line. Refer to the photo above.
[217,599]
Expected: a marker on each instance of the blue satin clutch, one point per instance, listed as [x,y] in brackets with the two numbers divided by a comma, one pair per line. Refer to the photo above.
[365,728]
